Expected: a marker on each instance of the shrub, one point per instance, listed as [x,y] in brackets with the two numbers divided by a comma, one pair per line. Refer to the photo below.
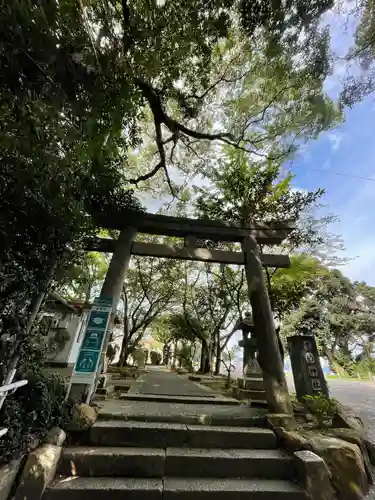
[155,357]
[320,406]
[127,373]
[113,369]
[31,411]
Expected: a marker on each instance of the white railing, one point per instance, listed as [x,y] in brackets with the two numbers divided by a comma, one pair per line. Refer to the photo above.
[4,391]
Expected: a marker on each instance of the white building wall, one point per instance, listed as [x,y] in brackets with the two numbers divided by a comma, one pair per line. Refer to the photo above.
[78,337]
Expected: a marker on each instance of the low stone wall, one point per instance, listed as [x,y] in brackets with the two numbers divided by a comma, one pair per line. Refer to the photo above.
[343,448]
[8,474]
[40,467]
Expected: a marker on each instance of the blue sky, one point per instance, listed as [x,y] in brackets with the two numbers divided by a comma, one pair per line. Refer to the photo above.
[336,160]
[348,150]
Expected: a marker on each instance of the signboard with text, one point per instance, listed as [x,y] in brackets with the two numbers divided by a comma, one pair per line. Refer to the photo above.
[307,371]
[92,343]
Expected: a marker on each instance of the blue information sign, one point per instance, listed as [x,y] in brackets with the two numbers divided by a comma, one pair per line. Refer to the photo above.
[93,339]
[98,319]
[87,361]
[88,357]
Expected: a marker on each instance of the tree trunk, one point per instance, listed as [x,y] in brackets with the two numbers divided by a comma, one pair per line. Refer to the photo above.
[212,355]
[218,355]
[166,354]
[205,366]
[125,342]
[333,363]
[227,383]
[174,359]
[88,293]
[123,361]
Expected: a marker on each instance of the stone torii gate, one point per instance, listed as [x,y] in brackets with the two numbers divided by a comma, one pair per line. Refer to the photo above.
[130,223]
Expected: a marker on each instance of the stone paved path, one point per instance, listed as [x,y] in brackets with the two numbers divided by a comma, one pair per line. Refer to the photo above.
[162,382]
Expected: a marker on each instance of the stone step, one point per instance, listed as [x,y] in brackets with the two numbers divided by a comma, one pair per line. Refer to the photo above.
[209,399]
[121,385]
[108,389]
[255,384]
[176,462]
[84,488]
[238,489]
[112,462]
[219,463]
[105,379]
[258,403]
[102,488]
[232,416]
[163,435]
[215,420]
[252,394]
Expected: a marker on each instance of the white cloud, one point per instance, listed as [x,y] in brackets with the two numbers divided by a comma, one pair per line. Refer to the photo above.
[335,138]
[297,189]
[362,267]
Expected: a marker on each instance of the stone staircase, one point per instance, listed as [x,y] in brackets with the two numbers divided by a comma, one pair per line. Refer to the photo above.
[251,389]
[174,461]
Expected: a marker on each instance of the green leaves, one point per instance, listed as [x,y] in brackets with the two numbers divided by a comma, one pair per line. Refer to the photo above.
[245,190]
[290,286]
[360,82]
[335,312]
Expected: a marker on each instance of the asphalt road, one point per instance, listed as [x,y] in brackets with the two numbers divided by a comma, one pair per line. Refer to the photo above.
[357,394]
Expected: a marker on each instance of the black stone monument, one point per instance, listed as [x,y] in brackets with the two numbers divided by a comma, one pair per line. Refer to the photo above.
[307,371]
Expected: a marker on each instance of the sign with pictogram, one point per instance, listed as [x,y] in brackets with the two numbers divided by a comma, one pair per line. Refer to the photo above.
[92,344]
[87,361]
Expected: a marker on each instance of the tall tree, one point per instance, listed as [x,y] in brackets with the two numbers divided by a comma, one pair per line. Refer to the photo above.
[213,300]
[151,288]
[243,190]
[360,78]
[336,312]
[288,287]
[84,277]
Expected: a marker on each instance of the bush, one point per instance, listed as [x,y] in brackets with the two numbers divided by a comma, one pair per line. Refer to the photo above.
[31,411]
[321,407]
[155,357]
[127,373]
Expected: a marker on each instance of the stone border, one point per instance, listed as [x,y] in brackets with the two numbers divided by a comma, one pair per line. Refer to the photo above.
[313,475]
[8,475]
[40,467]
[342,450]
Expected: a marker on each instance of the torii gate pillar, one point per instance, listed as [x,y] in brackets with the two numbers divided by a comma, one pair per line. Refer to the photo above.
[269,354]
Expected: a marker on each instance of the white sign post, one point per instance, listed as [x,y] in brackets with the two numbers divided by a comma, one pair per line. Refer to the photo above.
[87,364]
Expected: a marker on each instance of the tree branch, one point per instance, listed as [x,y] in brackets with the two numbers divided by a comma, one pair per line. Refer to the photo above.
[161,117]
[179,130]
[147,176]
